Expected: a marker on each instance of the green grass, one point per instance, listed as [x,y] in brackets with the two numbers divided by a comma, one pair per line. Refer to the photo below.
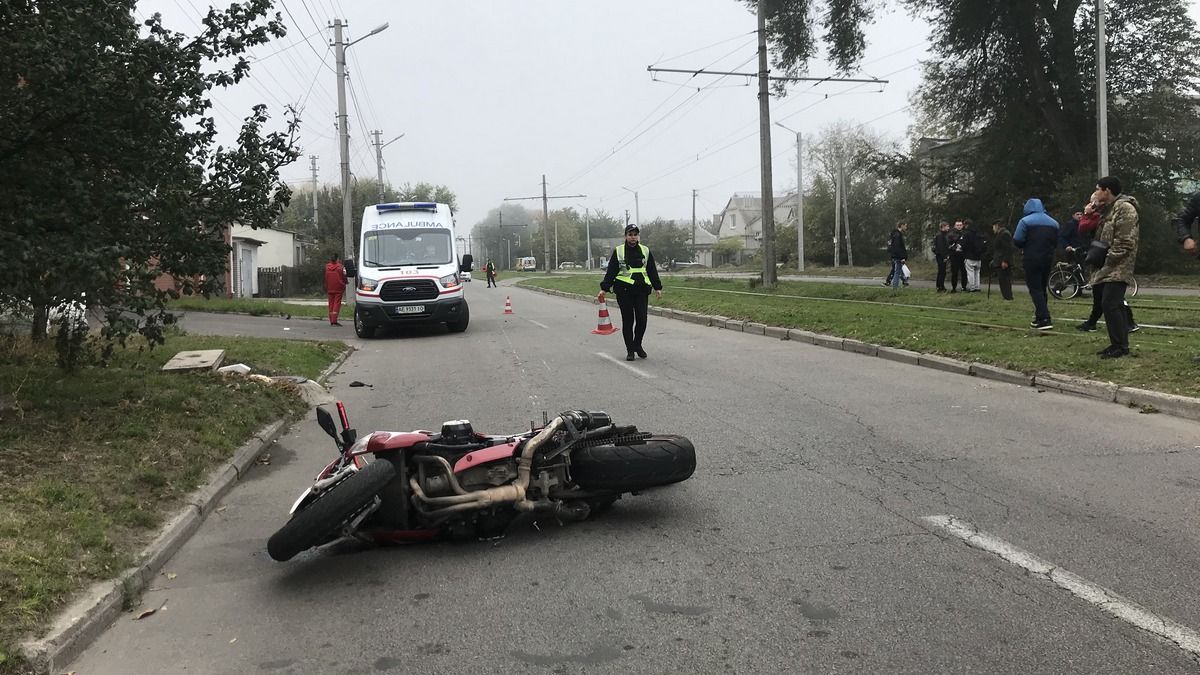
[967,326]
[91,462]
[257,307]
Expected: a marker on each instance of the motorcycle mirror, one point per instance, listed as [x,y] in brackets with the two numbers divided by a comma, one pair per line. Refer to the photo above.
[326,421]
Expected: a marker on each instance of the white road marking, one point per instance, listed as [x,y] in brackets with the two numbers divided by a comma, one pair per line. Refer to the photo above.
[540,325]
[623,364]
[1183,637]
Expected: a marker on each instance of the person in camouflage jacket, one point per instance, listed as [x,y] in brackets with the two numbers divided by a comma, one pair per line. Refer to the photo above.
[1118,231]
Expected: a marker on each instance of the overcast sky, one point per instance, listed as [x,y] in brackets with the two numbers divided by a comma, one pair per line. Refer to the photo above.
[492,94]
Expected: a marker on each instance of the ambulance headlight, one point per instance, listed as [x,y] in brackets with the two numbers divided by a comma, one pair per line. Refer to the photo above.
[365,284]
[450,281]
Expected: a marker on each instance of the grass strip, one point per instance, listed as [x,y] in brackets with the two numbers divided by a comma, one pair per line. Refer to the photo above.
[257,307]
[969,326]
[92,462]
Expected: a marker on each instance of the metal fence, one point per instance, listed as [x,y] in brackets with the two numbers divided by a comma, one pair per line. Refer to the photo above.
[290,282]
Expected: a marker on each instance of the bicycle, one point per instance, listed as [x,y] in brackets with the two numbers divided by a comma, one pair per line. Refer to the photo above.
[1067,281]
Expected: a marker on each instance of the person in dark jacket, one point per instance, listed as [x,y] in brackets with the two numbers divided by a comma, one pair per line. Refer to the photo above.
[1037,236]
[958,269]
[1119,236]
[1069,236]
[1002,258]
[974,246]
[898,252]
[1184,221]
[941,254]
[631,274]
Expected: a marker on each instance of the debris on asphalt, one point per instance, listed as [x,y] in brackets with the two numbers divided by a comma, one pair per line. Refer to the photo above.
[356,383]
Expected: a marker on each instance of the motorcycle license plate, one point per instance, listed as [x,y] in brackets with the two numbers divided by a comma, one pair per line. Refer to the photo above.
[409,309]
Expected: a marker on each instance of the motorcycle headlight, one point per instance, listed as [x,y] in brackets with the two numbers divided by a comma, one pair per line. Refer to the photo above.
[450,281]
[367,284]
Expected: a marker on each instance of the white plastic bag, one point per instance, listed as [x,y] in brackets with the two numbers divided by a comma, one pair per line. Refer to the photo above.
[904,271]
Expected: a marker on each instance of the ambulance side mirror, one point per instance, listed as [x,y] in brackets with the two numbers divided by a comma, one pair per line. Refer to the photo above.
[350,267]
[467,261]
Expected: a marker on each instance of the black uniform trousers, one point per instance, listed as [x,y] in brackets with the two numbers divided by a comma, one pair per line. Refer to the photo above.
[941,273]
[633,304]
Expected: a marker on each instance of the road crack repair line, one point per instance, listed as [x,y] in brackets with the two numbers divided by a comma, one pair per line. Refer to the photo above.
[1107,600]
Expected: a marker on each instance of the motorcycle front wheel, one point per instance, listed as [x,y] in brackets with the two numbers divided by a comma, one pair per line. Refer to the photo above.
[661,460]
[323,517]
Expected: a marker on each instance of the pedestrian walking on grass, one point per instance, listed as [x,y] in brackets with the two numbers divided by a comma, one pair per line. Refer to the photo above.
[941,254]
[1037,236]
[958,268]
[335,287]
[898,252]
[1002,258]
[974,246]
[1113,252]
[631,274]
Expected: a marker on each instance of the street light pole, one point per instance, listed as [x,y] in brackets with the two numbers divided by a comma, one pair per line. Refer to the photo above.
[340,47]
[637,210]
[799,199]
[379,158]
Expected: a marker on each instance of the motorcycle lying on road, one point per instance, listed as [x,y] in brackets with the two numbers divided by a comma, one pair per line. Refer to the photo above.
[391,487]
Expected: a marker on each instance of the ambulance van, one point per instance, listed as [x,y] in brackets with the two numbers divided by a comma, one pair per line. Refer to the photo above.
[409,270]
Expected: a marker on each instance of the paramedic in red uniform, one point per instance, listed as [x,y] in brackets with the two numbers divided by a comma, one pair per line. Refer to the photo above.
[335,286]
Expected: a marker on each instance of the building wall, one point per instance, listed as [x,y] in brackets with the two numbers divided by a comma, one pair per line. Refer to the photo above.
[279,249]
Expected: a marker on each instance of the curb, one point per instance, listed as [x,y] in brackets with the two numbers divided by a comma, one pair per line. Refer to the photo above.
[84,620]
[1186,407]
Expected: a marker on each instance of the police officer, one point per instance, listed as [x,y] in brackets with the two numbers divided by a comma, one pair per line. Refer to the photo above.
[631,274]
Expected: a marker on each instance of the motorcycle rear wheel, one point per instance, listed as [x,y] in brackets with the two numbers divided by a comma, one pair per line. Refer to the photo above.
[324,517]
[661,460]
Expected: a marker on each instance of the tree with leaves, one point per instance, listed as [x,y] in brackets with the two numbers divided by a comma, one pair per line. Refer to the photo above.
[1013,82]
[112,175]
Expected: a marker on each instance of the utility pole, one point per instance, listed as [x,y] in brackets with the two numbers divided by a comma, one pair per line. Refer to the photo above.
[1101,93]
[313,159]
[626,217]
[846,211]
[339,52]
[837,214]
[379,158]
[587,224]
[340,46]
[545,217]
[693,224]
[764,140]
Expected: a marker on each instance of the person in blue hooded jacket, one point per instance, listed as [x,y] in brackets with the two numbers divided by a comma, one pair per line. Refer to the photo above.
[1037,236]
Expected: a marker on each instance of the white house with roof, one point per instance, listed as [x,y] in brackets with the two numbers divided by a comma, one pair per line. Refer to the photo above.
[742,218]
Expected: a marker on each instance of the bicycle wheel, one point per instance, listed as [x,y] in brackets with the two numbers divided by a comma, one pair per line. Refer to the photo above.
[1132,290]
[1063,285]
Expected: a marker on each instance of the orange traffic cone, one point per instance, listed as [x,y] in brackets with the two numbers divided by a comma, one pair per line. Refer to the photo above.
[604,326]
[508,304]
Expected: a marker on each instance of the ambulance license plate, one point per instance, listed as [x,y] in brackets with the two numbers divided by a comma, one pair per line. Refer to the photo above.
[409,309]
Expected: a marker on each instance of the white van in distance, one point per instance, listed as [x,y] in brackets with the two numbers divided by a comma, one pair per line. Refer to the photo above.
[408,269]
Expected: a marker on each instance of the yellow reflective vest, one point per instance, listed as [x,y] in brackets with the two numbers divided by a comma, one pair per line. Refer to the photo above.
[625,272]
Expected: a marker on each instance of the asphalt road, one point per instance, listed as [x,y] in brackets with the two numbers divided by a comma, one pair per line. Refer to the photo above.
[798,546]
